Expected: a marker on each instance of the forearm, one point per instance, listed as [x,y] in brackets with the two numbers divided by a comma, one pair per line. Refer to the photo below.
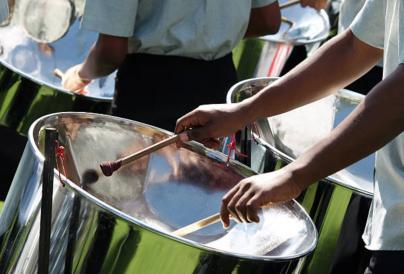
[333,66]
[375,122]
[105,56]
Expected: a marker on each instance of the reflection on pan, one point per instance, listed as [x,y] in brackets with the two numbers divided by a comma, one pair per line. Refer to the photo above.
[40,36]
[338,204]
[136,210]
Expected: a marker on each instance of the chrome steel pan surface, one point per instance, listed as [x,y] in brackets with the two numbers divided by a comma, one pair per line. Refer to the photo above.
[267,55]
[38,37]
[290,134]
[338,204]
[301,26]
[123,223]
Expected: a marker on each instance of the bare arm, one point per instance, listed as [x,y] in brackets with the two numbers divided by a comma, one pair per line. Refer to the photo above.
[336,64]
[333,66]
[375,122]
[104,57]
[264,20]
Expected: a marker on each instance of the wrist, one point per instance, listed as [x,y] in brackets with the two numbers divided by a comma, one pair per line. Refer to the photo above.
[300,175]
[246,112]
[83,76]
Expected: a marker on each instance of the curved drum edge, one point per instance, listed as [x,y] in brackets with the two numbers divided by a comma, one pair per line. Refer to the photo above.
[267,55]
[33,43]
[23,101]
[91,237]
[338,204]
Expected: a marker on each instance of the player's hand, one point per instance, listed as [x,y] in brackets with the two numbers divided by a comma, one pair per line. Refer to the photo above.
[245,199]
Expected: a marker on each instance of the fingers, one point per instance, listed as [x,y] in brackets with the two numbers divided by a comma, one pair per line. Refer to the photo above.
[242,203]
[189,120]
[199,126]
[231,207]
[252,207]
[72,81]
[224,212]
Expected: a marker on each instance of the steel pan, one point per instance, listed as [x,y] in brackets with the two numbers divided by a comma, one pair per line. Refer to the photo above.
[267,55]
[38,37]
[123,223]
[338,204]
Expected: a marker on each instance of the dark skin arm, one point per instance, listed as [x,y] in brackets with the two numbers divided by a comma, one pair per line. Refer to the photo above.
[264,20]
[375,122]
[315,77]
[105,56]
[311,80]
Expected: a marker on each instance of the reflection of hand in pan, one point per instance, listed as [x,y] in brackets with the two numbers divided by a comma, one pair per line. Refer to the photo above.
[193,168]
[46,49]
[140,164]
[72,125]
[72,81]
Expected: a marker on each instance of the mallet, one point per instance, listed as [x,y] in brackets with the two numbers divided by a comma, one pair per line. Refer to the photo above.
[109,167]
[197,225]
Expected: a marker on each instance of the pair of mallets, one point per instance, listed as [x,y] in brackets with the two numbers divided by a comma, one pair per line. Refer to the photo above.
[109,167]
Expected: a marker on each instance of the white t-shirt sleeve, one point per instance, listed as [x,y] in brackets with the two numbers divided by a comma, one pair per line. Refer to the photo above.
[401,33]
[115,17]
[368,25]
[262,3]
[3,10]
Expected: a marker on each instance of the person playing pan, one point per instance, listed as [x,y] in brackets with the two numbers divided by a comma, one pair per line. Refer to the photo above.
[376,124]
[171,55]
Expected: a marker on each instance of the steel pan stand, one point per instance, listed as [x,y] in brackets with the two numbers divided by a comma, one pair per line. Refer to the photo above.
[51,136]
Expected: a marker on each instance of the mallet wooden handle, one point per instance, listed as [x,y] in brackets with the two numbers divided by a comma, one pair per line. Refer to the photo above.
[109,167]
[58,73]
[289,3]
[197,225]
[153,148]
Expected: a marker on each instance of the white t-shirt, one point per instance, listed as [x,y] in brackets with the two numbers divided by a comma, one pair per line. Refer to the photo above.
[3,10]
[349,9]
[381,24]
[202,29]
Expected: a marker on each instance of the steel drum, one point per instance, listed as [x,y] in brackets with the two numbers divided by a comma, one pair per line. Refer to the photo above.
[123,223]
[38,37]
[267,55]
[338,204]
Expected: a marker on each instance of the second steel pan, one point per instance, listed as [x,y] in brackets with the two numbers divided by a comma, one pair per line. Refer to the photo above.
[38,37]
[338,204]
[123,223]
[267,55]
